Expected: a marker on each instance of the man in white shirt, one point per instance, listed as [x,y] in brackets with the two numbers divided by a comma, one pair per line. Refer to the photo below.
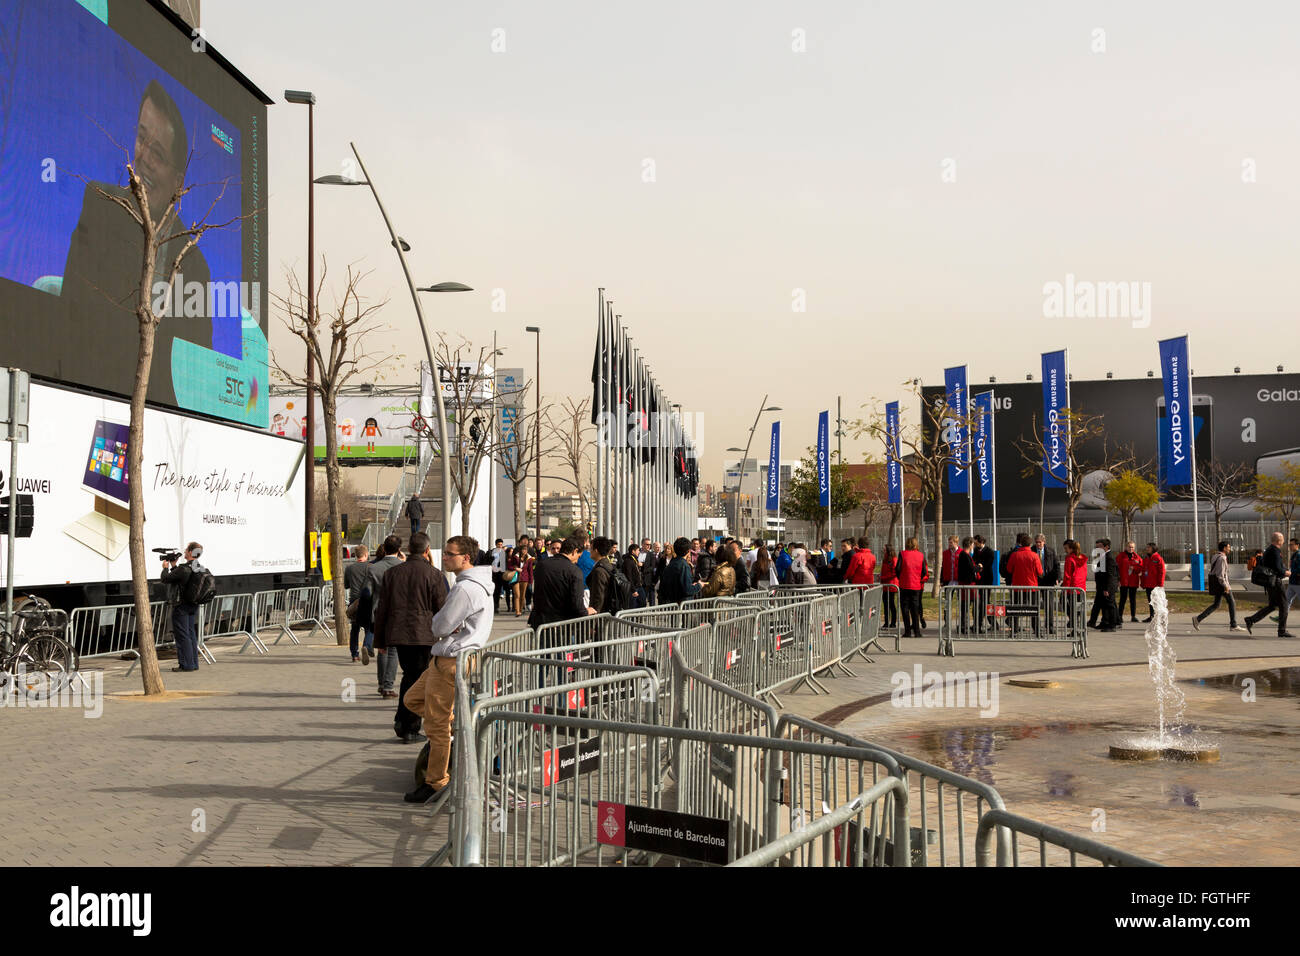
[498,574]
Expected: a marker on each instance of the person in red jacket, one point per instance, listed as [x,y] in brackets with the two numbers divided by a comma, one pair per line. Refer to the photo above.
[1153,575]
[1130,577]
[1074,575]
[889,580]
[1076,567]
[912,575]
[1024,569]
[862,566]
[948,572]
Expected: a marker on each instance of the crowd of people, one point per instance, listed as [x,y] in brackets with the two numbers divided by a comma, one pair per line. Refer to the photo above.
[404,614]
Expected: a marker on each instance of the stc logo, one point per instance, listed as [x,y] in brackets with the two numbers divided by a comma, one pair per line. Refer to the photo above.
[1278,395]
[239,392]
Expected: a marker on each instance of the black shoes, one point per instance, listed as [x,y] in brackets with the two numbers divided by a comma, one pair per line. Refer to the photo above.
[422,794]
[1249,625]
[186,670]
[1286,634]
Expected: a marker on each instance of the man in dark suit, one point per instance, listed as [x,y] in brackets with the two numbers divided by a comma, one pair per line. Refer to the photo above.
[101,277]
[1049,602]
[1274,561]
[1051,566]
[968,573]
[558,587]
[1106,576]
[984,557]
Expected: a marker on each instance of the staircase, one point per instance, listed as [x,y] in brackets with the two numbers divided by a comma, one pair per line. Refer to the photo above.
[419,471]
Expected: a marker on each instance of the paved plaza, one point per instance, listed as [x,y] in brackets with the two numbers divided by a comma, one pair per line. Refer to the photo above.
[278,763]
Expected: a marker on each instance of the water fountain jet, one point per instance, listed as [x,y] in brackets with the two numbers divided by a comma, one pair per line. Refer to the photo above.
[1172,740]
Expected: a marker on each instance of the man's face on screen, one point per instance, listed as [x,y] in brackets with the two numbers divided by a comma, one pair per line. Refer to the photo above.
[154,139]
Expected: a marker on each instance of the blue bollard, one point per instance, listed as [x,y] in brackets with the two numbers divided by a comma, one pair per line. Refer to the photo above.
[1198,572]
[997,567]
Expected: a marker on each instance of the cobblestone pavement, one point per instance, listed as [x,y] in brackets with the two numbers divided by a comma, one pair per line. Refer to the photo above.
[279,765]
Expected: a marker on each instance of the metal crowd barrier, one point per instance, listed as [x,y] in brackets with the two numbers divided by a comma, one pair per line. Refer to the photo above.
[229,615]
[981,612]
[1046,836]
[836,838]
[535,685]
[110,630]
[546,768]
[283,609]
[892,599]
[558,757]
[946,807]
[651,650]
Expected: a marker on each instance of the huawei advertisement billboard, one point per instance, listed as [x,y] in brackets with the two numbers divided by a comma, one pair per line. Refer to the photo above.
[1253,420]
[236,491]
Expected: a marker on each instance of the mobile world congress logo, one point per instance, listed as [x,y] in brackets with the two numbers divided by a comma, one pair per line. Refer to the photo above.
[223,139]
[105,910]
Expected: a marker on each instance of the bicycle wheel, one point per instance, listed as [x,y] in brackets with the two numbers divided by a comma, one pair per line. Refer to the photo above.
[45,663]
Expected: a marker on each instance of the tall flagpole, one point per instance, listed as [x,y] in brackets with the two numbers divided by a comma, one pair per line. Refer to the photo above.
[970,459]
[1196,507]
[993,462]
[600,411]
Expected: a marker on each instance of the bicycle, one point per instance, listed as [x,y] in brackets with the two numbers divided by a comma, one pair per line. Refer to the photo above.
[35,655]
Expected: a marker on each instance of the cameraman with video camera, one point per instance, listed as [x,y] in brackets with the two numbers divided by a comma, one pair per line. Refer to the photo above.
[188,585]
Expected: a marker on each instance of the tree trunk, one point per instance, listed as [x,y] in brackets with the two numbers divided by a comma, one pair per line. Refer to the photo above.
[514,500]
[1127,519]
[336,540]
[1070,503]
[150,673]
[893,523]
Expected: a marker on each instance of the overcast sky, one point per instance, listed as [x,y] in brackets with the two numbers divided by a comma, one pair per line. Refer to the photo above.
[777,170]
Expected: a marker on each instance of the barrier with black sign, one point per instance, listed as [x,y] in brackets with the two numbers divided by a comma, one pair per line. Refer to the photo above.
[1023,614]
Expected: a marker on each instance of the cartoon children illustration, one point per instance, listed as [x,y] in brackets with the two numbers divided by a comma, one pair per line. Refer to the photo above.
[345,435]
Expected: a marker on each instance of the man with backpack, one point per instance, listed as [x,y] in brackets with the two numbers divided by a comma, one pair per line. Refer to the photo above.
[188,586]
[1270,573]
[611,591]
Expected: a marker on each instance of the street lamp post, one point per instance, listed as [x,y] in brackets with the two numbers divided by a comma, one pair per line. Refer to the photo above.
[744,458]
[537,431]
[402,248]
[305,98]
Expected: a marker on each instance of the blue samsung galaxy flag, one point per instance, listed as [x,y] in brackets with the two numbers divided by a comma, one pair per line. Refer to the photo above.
[1056,392]
[893,468]
[774,469]
[984,444]
[1176,439]
[823,459]
[954,432]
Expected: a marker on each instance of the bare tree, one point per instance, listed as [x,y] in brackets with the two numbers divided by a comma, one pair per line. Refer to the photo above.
[517,449]
[469,415]
[350,504]
[573,437]
[923,452]
[166,235]
[338,336]
[1078,429]
[1223,485]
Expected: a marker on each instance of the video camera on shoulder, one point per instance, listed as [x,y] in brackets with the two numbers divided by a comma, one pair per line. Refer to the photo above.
[168,554]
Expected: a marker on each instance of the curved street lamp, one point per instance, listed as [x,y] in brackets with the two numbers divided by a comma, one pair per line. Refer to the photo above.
[764,407]
[402,248]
